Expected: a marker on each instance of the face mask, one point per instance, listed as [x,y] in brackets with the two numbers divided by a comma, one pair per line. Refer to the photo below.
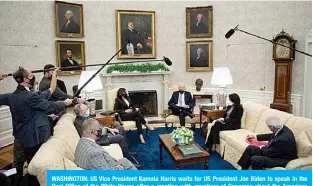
[124,95]
[99,133]
[50,75]
[31,82]
[181,91]
[84,117]
[229,103]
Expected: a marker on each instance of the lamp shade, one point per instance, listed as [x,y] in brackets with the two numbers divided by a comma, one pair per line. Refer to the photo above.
[94,84]
[221,76]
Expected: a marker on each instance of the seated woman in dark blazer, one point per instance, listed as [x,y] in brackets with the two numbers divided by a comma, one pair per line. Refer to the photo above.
[125,107]
[230,121]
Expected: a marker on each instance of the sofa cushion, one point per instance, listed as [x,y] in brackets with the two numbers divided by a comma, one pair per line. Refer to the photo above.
[243,118]
[70,165]
[253,113]
[261,127]
[304,146]
[66,132]
[300,124]
[49,156]
[236,138]
[114,150]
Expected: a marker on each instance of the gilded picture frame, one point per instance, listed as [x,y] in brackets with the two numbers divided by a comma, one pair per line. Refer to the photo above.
[70,54]
[199,56]
[69,20]
[199,22]
[137,28]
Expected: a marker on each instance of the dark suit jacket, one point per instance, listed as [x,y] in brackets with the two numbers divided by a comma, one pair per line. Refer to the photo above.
[188,99]
[282,146]
[78,123]
[134,38]
[234,117]
[200,29]
[29,115]
[67,63]
[201,62]
[61,85]
[4,99]
[120,106]
[57,95]
[72,27]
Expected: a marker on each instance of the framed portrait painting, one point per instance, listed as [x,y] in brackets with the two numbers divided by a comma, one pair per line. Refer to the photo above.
[199,22]
[69,19]
[199,55]
[71,55]
[137,28]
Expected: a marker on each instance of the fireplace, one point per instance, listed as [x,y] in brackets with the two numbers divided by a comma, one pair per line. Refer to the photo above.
[146,100]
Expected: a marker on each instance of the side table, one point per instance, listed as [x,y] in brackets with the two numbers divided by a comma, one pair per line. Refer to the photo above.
[106,120]
[211,114]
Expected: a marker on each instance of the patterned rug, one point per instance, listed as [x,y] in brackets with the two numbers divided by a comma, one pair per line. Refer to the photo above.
[148,154]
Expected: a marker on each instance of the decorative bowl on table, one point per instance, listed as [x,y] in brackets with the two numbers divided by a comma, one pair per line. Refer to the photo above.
[182,136]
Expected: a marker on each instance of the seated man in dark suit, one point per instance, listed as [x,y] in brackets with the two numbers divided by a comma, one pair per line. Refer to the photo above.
[181,104]
[281,148]
[109,135]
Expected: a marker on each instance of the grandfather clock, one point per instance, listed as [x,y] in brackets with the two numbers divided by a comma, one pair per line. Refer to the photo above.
[283,58]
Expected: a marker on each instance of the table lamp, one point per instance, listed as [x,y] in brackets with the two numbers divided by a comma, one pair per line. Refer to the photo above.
[221,77]
[94,84]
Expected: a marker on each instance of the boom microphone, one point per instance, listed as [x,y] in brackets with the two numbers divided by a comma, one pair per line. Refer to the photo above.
[167,61]
[230,32]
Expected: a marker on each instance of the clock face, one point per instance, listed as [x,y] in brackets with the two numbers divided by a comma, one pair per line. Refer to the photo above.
[282,52]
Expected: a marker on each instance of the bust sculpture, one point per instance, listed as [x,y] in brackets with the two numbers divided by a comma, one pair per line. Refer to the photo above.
[199,84]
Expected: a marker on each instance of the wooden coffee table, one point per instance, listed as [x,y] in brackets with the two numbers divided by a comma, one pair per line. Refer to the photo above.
[171,147]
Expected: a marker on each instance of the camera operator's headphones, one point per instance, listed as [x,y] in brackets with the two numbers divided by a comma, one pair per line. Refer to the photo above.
[19,75]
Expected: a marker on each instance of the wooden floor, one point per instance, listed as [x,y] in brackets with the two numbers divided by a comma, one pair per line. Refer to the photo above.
[6,153]
[6,156]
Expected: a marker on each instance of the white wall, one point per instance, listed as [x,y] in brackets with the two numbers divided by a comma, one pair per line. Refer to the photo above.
[27,38]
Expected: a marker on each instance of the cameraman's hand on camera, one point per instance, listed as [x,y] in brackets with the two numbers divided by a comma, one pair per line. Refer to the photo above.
[68,102]
[81,101]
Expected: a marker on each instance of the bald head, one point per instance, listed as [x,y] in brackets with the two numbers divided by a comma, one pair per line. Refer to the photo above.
[90,127]
[181,87]
[81,110]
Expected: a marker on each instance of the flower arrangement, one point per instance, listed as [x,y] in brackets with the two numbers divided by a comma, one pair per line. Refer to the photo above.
[182,136]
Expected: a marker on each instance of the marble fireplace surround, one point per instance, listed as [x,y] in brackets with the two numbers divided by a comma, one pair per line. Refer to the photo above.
[158,81]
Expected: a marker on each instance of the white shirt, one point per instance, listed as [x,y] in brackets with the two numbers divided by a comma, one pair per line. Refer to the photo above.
[90,139]
[71,61]
[181,100]
[126,101]
[278,130]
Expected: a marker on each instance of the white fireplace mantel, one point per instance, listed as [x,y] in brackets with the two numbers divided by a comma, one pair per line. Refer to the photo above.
[158,81]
